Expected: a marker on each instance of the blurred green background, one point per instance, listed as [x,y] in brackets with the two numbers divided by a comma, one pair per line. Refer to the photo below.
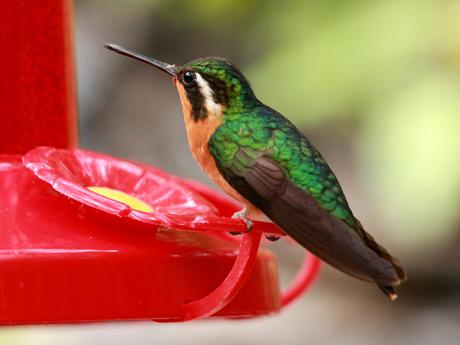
[374,84]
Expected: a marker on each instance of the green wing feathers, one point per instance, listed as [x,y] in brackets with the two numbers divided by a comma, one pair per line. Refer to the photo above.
[264,133]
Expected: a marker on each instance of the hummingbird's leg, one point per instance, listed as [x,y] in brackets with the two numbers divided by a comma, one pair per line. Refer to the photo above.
[242,214]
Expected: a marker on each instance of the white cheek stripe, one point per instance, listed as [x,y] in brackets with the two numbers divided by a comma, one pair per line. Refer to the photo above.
[211,106]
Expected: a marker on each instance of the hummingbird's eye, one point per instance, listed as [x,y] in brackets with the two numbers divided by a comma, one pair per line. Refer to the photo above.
[188,78]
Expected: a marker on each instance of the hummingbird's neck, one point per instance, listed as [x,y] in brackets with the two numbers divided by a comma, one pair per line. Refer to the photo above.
[240,105]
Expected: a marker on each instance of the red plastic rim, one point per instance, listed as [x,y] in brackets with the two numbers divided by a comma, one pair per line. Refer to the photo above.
[70,172]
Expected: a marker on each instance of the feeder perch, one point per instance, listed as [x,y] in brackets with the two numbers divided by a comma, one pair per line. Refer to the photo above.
[89,237]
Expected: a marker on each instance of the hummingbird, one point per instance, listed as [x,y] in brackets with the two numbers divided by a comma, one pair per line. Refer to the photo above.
[258,157]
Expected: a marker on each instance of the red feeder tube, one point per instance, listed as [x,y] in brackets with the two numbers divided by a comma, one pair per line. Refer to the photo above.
[37,75]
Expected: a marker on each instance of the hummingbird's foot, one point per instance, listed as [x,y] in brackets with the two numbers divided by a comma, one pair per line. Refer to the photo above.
[242,215]
[272,238]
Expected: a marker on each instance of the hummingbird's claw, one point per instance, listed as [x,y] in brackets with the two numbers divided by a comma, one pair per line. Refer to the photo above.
[272,238]
[242,215]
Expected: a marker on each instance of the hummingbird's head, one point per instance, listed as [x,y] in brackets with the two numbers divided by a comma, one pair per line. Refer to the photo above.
[207,86]
[212,85]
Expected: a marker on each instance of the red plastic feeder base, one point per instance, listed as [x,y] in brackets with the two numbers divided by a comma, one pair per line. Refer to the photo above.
[70,255]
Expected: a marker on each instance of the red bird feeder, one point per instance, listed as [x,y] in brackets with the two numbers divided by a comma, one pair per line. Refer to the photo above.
[89,237]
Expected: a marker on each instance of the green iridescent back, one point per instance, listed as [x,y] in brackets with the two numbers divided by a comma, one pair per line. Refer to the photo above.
[261,131]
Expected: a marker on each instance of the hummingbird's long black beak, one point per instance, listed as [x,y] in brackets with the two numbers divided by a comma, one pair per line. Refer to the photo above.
[163,66]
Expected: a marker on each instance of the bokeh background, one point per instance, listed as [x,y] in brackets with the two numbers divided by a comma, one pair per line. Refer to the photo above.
[376,87]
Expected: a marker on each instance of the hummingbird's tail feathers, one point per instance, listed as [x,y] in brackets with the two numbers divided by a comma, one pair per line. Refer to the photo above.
[382,252]
[389,291]
[330,240]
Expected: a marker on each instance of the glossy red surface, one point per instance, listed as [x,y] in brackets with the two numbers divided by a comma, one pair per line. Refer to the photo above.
[62,261]
[175,205]
[37,77]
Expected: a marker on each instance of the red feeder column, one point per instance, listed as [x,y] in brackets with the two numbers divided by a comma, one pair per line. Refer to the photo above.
[37,75]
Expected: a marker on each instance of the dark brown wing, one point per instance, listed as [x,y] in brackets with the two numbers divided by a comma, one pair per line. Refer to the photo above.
[295,211]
